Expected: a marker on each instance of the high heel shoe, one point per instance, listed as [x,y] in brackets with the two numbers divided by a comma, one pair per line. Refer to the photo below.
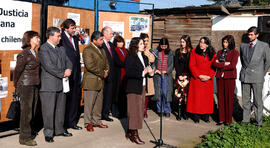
[135,138]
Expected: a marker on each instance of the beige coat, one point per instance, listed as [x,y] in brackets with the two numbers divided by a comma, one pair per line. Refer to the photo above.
[150,82]
[95,62]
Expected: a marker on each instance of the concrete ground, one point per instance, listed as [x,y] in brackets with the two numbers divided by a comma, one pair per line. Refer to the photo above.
[184,134]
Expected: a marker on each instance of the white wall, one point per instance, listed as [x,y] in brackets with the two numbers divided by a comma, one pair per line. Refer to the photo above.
[233,22]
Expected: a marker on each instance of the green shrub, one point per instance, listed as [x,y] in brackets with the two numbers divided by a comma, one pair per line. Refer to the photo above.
[239,136]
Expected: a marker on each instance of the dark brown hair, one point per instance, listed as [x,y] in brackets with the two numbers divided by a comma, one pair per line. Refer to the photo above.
[27,36]
[209,50]
[230,40]
[164,41]
[118,39]
[186,38]
[144,35]
[66,24]
[134,46]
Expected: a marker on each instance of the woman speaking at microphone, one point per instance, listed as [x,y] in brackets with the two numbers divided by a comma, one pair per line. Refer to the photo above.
[137,71]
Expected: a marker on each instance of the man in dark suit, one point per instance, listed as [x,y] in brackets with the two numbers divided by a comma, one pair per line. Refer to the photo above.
[110,84]
[255,60]
[70,43]
[55,69]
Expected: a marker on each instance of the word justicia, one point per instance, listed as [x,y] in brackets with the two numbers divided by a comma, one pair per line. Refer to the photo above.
[13,12]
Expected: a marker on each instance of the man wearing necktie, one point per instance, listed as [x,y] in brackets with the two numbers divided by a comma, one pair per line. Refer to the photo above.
[255,60]
[70,42]
[110,83]
[55,67]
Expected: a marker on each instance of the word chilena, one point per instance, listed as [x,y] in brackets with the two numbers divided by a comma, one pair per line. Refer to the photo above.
[13,12]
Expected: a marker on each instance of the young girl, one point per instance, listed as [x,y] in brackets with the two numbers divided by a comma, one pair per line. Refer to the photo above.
[225,63]
[163,81]
[181,61]
[201,88]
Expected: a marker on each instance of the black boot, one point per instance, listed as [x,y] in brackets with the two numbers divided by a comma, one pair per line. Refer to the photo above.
[184,112]
[196,118]
[205,118]
[179,113]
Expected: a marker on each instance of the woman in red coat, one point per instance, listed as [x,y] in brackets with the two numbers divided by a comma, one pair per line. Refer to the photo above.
[121,101]
[201,89]
[225,63]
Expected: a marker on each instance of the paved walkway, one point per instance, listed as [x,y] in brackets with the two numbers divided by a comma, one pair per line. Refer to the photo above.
[184,134]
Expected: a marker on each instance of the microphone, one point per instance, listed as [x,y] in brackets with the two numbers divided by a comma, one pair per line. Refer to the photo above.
[152,51]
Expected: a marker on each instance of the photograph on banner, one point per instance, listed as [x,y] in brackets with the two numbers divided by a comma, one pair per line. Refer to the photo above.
[12,68]
[3,87]
[15,19]
[75,17]
[57,22]
[83,35]
[138,24]
[117,27]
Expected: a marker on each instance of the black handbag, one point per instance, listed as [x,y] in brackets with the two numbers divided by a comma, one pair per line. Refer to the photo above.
[14,108]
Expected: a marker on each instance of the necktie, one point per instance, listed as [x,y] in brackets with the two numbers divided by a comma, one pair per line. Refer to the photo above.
[70,39]
[251,45]
[109,48]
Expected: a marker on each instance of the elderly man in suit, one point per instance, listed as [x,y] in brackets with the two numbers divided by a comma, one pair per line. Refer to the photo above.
[71,45]
[55,68]
[96,68]
[110,82]
[255,60]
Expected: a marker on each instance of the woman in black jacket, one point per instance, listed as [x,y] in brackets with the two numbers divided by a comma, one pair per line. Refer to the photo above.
[137,70]
[181,61]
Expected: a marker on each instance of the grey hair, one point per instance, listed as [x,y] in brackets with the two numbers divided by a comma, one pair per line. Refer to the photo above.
[51,30]
[105,29]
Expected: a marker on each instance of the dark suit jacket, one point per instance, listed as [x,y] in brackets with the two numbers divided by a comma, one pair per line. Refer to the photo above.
[74,57]
[253,71]
[134,69]
[54,62]
[229,70]
[113,62]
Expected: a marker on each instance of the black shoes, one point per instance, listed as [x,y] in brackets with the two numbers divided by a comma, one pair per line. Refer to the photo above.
[205,118]
[76,127]
[219,123]
[28,143]
[49,139]
[107,119]
[196,118]
[167,115]
[65,134]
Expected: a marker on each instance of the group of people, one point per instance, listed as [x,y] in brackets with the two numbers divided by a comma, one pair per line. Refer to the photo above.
[122,81]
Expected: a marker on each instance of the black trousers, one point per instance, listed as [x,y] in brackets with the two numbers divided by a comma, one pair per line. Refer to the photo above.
[107,99]
[72,114]
[28,102]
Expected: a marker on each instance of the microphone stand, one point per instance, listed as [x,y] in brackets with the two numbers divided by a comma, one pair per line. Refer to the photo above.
[159,143]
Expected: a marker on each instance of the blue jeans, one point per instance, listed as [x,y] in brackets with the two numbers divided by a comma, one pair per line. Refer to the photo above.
[166,108]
